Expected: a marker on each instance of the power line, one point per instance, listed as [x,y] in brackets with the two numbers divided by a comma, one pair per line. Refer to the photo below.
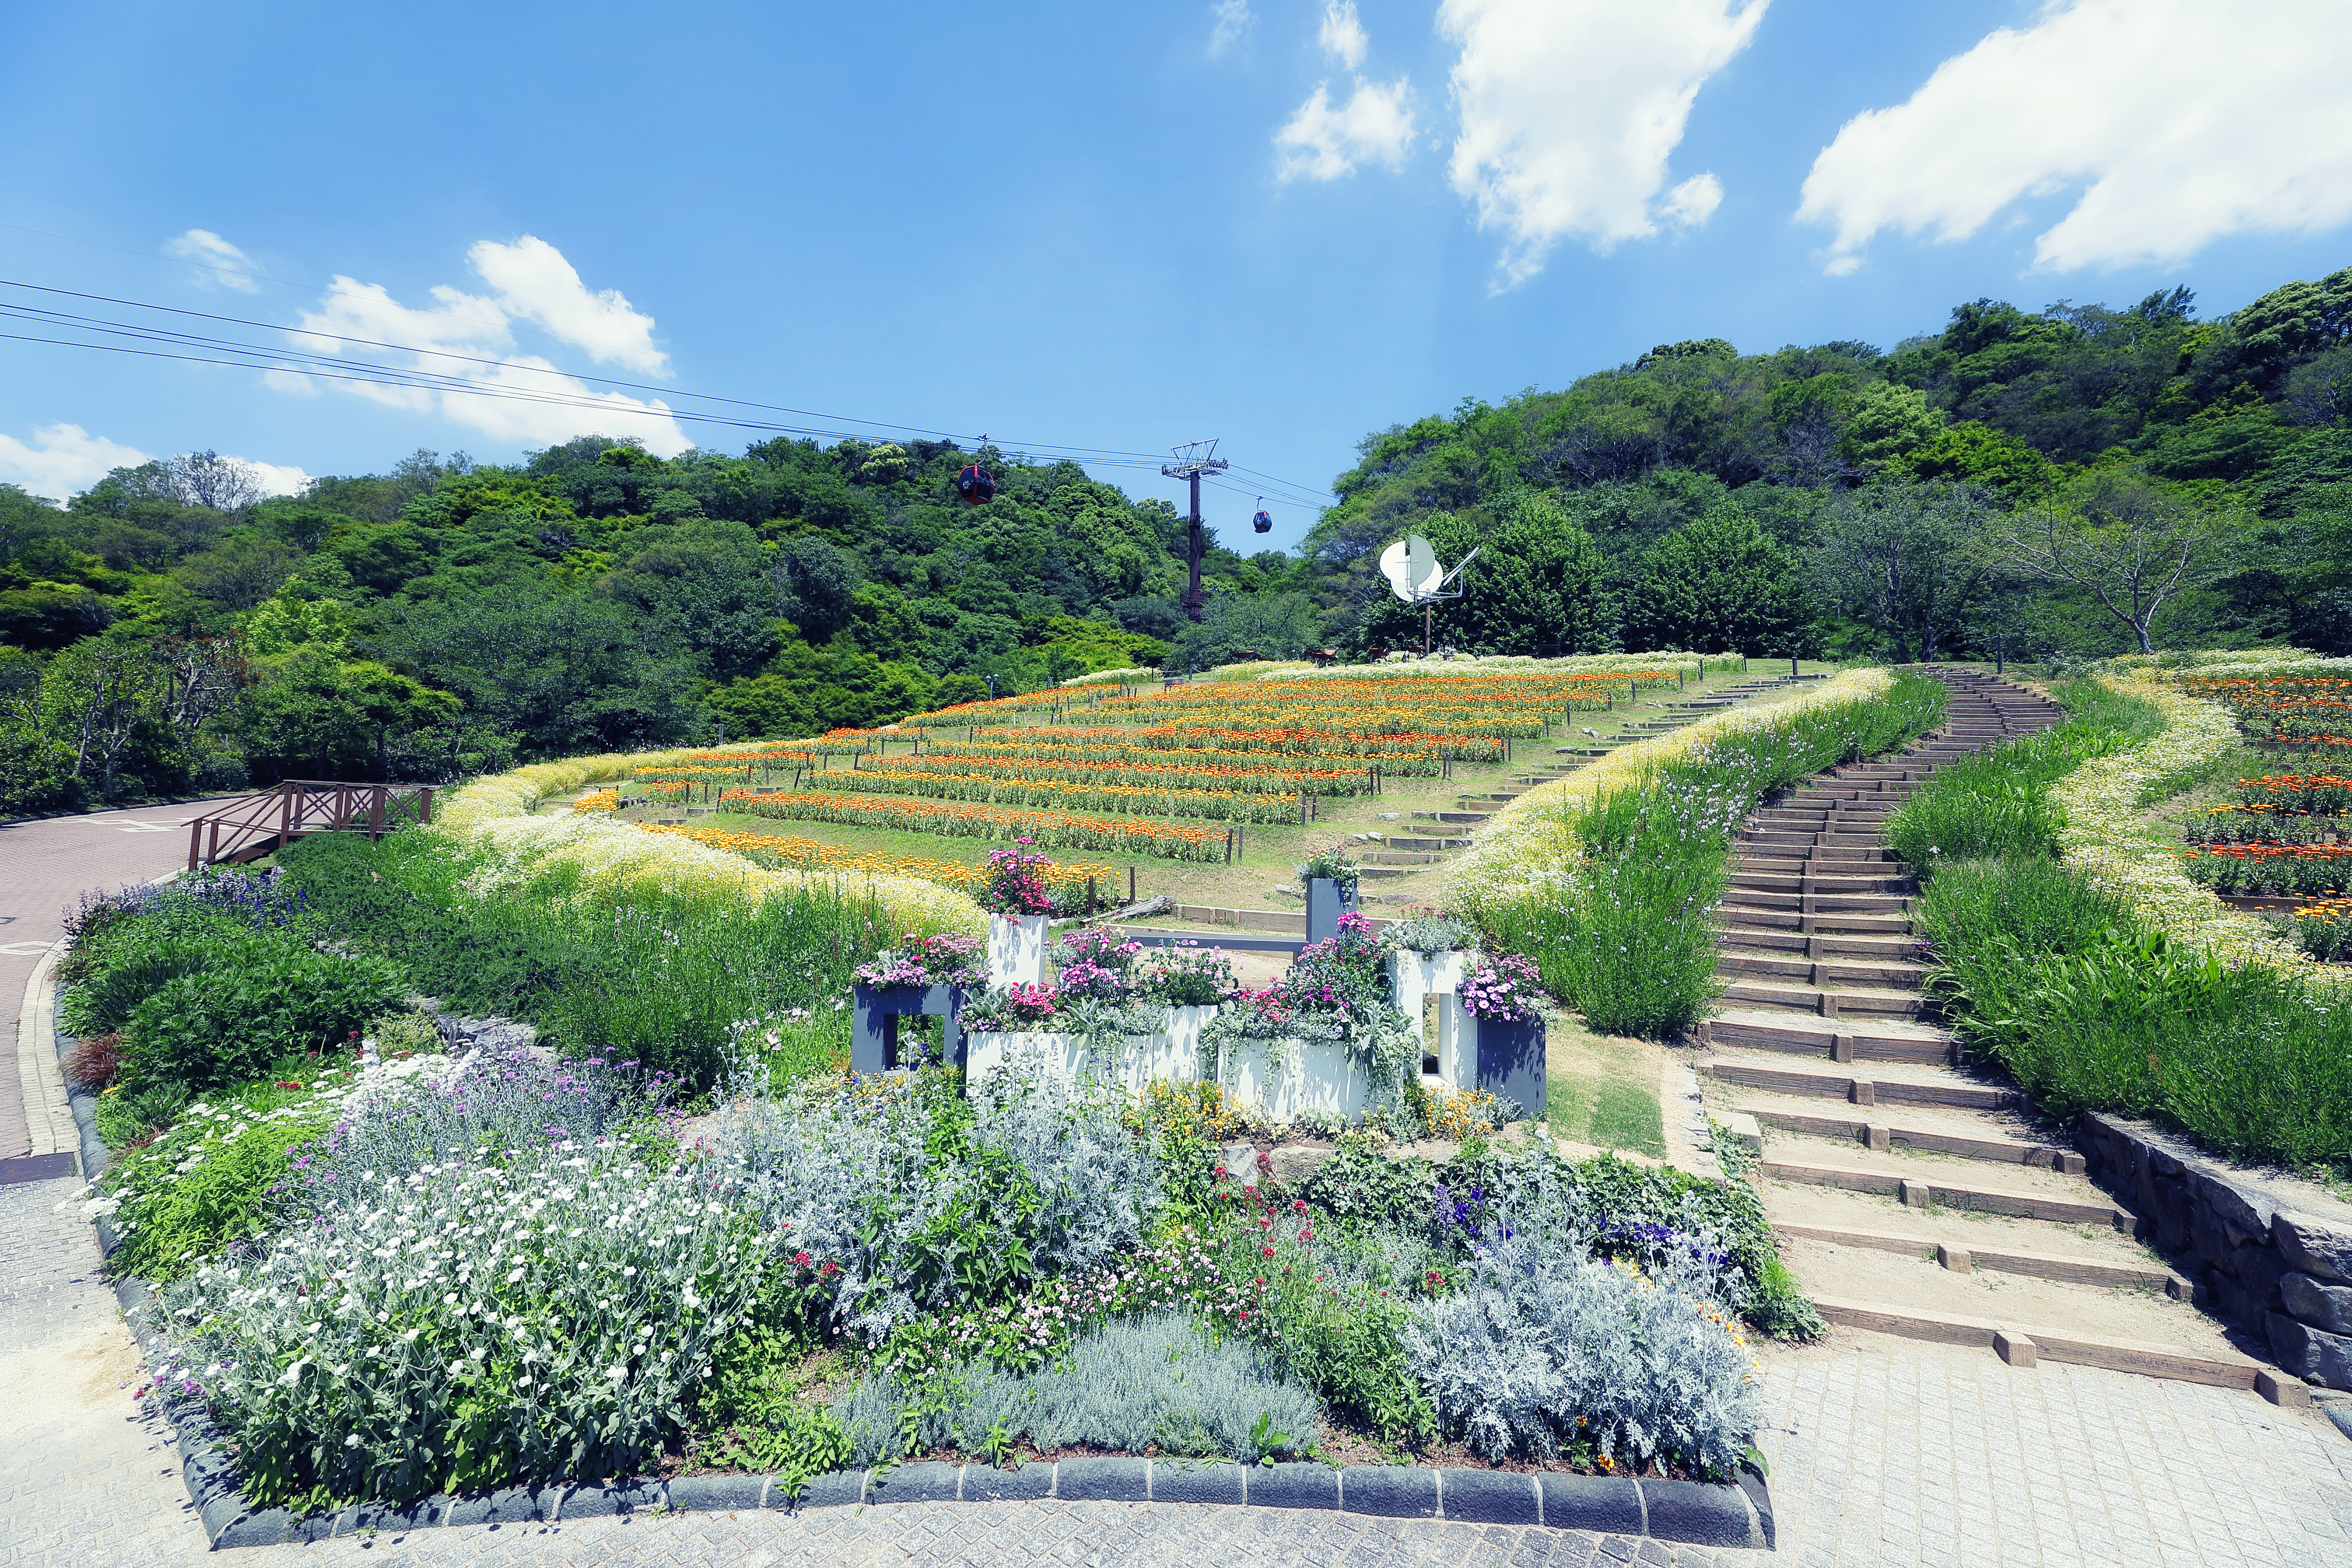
[1109,456]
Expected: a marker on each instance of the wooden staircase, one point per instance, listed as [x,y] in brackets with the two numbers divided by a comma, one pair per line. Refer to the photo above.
[1910,1194]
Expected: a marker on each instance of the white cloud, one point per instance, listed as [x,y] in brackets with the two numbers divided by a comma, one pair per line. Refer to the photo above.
[218,264]
[533,282]
[1323,143]
[1232,24]
[1571,107]
[2179,121]
[1343,36]
[276,479]
[544,424]
[63,459]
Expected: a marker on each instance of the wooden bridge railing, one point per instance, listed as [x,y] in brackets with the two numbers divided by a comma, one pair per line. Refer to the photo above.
[260,824]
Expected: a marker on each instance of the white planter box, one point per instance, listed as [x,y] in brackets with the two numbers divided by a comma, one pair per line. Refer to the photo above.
[1316,1077]
[1016,950]
[1173,1054]
[1416,978]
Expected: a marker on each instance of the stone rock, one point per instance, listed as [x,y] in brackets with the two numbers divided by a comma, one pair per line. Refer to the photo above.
[2319,1249]
[2259,1268]
[1294,1163]
[2310,1353]
[2320,1306]
[2246,1211]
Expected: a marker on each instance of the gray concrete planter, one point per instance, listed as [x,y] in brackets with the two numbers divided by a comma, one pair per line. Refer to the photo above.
[873,1038]
[1328,899]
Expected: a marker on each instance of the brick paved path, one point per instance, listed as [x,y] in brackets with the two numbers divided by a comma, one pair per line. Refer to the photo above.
[45,867]
[1885,1452]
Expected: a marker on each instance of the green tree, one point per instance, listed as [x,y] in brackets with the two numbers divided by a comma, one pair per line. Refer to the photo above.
[1721,584]
[315,716]
[1903,559]
[1540,585]
[2125,541]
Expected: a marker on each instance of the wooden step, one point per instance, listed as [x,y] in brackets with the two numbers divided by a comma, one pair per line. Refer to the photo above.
[1755,915]
[1800,1036]
[1820,972]
[2024,1345]
[1818,902]
[1820,885]
[1794,1080]
[1885,1137]
[1408,841]
[1900,946]
[1833,1004]
[1919,1192]
[1966,1257]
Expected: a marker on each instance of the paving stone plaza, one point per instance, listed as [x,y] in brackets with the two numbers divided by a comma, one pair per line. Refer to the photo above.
[1883,1451]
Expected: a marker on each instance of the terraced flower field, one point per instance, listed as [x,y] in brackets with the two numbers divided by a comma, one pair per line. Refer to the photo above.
[1229,779]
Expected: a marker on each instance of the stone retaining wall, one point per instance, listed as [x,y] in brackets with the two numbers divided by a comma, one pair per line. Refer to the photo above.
[2270,1254]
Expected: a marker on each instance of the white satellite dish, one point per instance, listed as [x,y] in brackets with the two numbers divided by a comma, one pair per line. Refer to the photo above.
[1416,576]
[1413,569]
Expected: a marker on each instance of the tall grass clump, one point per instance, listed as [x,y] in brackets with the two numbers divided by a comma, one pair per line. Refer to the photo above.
[1629,940]
[1997,802]
[2054,980]
[680,980]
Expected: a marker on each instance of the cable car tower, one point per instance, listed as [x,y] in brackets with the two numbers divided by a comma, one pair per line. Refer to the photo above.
[1193,459]
[1416,576]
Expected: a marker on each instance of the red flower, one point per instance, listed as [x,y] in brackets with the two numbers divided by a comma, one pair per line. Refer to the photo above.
[1297,1205]
[801,1259]
[1265,1251]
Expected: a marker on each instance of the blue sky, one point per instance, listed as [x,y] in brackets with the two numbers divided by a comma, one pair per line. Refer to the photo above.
[1285,222]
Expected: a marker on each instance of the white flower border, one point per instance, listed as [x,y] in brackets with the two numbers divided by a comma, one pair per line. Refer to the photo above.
[2104,830]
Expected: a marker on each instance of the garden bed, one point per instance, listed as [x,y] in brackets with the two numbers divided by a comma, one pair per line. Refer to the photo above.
[665,1243]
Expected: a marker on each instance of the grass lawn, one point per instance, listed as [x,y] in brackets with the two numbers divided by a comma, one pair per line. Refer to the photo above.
[1602,1089]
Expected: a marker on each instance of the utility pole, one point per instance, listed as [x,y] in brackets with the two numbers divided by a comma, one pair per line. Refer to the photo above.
[1193,459]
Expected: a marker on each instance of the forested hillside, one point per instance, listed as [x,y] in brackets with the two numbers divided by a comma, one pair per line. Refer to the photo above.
[2073,481]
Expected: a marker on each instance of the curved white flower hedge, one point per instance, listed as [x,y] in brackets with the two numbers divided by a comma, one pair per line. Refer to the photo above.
[2104,830]
[1529,850]
[494,816]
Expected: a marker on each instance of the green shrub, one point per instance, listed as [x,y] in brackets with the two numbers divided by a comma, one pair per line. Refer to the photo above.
[215,1179]
[256,1005]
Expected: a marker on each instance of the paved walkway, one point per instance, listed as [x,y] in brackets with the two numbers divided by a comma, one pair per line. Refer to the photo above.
[1884,1451]
[46,866]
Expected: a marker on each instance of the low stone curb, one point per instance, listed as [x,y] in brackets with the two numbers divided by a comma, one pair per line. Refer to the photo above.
[1689,1512]
[1692,1513]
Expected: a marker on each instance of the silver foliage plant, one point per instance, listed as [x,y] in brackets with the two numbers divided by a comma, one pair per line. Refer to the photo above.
[849,1181]
[466,1323]
[1158,1381]
[1543,1346]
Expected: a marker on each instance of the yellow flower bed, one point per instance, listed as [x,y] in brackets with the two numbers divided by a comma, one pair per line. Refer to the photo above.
[2103,831]
[1529,850]
[494,816]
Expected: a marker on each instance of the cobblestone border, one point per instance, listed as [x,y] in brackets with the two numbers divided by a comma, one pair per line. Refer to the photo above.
[1694,1514]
